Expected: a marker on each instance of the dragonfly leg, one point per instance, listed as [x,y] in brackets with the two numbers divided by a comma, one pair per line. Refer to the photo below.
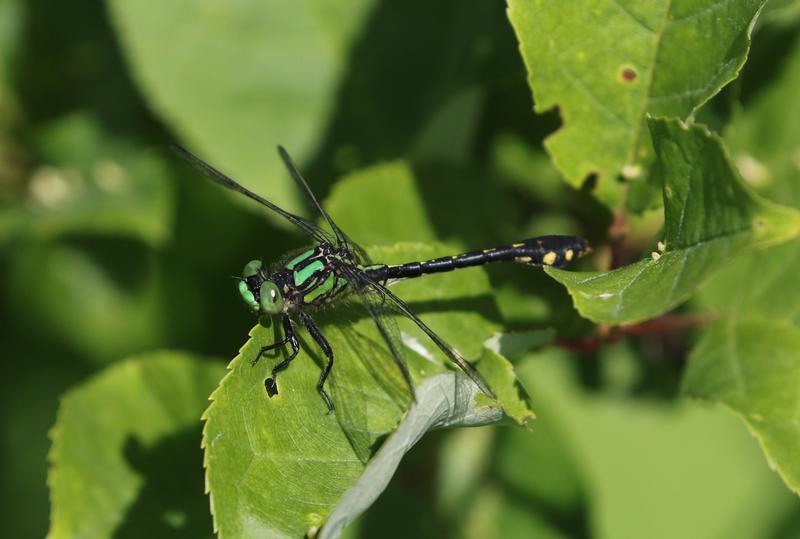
[271,384]
[317,335]
[287,336]
[265,349]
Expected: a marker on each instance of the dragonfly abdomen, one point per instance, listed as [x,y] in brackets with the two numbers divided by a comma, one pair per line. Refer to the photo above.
[555,251]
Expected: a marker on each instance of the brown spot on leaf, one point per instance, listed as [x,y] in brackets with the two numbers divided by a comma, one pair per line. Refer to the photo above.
[628,74]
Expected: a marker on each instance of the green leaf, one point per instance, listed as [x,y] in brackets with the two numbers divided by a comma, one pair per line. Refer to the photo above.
[392,202]
[749,359]
[272,81]
[11,18]
[91,182]
[500,375]
[500,514]
[123,451]
[288,448]
[763,138]
[444,400]
[290,459]
[424,96]
[94,280]
[710,216]
[623,445]
[391,187]
[751,363]
[503,482]
[607,65]
[463,459]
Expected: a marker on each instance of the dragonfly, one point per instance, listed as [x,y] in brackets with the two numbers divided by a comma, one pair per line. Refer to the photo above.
[335,268]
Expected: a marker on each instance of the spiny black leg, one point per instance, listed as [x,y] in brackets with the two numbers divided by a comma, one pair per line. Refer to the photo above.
[271,384]
[265,349]
[317,335]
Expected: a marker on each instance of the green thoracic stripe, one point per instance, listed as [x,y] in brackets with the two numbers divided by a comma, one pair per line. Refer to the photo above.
[299,258]
[304,274]
[323,288]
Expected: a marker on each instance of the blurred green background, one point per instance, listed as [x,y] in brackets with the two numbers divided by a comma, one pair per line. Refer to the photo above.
[109,246]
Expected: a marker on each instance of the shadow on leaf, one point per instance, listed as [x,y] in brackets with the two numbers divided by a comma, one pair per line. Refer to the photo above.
[171,502]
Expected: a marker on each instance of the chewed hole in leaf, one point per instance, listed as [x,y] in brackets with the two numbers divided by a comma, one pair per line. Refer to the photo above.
[590,183]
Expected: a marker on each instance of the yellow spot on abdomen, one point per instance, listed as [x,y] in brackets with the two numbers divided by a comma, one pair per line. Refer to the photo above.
[568,255]
[524,259]
[518,245]
[550,258]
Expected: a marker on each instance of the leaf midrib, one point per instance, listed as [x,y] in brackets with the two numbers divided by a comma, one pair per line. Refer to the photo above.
[659,34]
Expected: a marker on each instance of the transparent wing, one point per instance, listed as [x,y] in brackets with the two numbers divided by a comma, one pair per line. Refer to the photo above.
[306,226]
[341,237]
[362,281]
[386,325]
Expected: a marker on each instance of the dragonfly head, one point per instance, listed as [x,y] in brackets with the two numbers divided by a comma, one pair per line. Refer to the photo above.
[259,294]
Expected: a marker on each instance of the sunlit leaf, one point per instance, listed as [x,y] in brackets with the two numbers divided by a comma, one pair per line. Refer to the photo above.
[710,216]
[750,358]
[751,363]
[288,448]
[236,79]
[606,65]
[125,458]
[622,445]
[390,187]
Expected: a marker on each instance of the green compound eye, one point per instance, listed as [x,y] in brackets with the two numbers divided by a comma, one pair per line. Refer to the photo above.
[251,268]
[271,299]
[248,297]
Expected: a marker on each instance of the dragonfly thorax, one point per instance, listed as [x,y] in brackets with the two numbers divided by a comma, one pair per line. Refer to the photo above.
[260,294]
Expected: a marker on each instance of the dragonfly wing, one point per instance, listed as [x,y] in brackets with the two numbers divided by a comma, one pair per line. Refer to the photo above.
[386,325]
[363,280]
[306,226]
[341,237]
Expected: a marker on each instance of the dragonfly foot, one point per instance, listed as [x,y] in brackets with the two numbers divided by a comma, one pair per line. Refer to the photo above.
[271,386]
[328,400]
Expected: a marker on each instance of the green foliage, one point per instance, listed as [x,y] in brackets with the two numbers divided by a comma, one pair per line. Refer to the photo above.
[669,122]
[251,73]
[444,400]
[609,65]
[125,434]
[321,456]
[709,216]
[390,186]
[102,185]
[748,358]
[700,458]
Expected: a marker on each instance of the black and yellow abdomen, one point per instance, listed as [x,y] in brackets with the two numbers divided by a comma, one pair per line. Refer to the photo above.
[555,251]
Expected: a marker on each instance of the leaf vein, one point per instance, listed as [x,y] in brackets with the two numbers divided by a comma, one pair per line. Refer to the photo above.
[637,132]
[633,17]
[586,90]
[733,356]
[622,291]
[700,12]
